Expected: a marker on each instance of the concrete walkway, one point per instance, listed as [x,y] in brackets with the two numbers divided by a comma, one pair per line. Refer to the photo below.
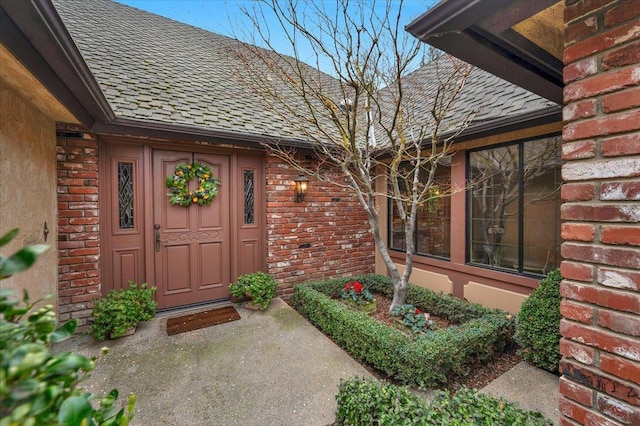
[531,388]
[268,368]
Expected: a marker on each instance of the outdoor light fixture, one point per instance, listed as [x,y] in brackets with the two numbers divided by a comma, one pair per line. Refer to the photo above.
[301,188]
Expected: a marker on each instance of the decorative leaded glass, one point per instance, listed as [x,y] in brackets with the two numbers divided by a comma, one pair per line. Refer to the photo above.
[125,195]
[249,214]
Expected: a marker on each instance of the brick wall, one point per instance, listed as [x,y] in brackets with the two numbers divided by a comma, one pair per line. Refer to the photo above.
[326,235]
[601,307]
[78,225]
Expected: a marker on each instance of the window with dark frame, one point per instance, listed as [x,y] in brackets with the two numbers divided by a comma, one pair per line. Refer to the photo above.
[125,195]
[249,198]
[433,224]
[513,208]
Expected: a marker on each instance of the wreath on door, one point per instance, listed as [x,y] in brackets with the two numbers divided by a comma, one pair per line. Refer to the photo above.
[178,184]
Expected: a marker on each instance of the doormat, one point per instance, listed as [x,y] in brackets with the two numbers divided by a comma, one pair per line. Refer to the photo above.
[201,320]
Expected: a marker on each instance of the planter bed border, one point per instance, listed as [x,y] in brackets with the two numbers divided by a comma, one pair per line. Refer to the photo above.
[426,361]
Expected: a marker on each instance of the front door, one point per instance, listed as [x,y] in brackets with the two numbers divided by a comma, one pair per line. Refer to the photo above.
[191,244]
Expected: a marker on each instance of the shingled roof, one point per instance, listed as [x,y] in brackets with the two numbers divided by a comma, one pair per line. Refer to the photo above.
[154,69]
[485,97]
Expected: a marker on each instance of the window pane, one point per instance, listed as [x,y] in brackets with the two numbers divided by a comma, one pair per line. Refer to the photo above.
[494,206]
[514,206]
[434,218]
[398,241]
[125,195]
[541,212]
[433,224]
[249,208]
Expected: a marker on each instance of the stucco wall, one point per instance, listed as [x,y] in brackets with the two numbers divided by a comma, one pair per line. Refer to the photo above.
[28,187]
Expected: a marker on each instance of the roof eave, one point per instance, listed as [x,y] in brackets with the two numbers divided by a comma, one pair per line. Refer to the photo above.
[34,32]
[183,132]
[548,115]
[453,26]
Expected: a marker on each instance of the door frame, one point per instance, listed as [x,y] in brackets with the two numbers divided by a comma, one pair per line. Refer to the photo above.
[108,146]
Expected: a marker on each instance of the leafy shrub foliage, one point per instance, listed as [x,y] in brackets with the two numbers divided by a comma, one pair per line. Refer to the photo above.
[38,387]
[425,360]
[413,318]
[368,402]
[538,324]
[260,286]
[119,311]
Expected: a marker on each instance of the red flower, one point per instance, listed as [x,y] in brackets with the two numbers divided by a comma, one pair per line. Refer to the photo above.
[357,287]
[417,311]
[347,286]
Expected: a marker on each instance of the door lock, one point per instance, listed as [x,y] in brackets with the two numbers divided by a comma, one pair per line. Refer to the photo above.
[158,240]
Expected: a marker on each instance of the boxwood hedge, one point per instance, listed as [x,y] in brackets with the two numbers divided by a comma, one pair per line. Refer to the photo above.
[368,402]
[425,361]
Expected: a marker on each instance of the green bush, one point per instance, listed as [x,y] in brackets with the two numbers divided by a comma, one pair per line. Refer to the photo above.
[426,360]
[38,387]
[120,311]
[260,286]
[368,402]
[538,324]
[413,318]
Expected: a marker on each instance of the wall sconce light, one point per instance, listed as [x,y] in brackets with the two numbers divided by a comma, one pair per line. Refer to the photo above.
[301,188]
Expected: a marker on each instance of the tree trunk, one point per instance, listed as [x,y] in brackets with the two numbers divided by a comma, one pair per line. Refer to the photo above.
[399,294]
[399,283]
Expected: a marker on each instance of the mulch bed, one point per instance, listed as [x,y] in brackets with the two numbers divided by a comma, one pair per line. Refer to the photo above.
[480,375]
[201,320]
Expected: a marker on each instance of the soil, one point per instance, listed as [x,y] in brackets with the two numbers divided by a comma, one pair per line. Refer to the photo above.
[480,374]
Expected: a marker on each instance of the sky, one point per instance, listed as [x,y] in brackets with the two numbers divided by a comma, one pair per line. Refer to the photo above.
[225,16]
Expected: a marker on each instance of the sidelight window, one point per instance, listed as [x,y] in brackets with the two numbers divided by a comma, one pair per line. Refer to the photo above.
[125,195]
[249,197]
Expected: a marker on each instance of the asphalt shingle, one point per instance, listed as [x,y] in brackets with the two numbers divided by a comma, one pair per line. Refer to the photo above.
[153,68]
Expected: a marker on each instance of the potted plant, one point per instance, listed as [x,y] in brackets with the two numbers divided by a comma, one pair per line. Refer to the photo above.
[119,312]
[238,291]
[259,286]
[357,297]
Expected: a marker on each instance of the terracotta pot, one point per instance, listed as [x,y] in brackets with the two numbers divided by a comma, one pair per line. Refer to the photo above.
[240,299]
[252,307]
[129,332]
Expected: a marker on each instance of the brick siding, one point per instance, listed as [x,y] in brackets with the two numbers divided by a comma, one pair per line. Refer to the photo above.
[78,226]
[601,231]
[327,235]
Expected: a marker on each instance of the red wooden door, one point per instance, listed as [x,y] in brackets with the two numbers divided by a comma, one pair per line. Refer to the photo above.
[192,244]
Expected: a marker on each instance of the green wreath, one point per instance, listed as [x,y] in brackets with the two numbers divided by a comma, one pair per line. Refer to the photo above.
[178,184]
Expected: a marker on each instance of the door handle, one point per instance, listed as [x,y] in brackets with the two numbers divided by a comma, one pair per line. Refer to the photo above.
[158,240]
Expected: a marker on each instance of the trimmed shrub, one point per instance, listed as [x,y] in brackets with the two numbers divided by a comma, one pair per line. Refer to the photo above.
[425,360]
[538,324]
[368,402]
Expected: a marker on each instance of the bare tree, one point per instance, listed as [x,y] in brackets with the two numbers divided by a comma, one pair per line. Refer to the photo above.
[381,125]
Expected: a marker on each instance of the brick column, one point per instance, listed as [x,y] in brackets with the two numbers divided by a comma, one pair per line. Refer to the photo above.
[78,227]
[325,236]
[600,382]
